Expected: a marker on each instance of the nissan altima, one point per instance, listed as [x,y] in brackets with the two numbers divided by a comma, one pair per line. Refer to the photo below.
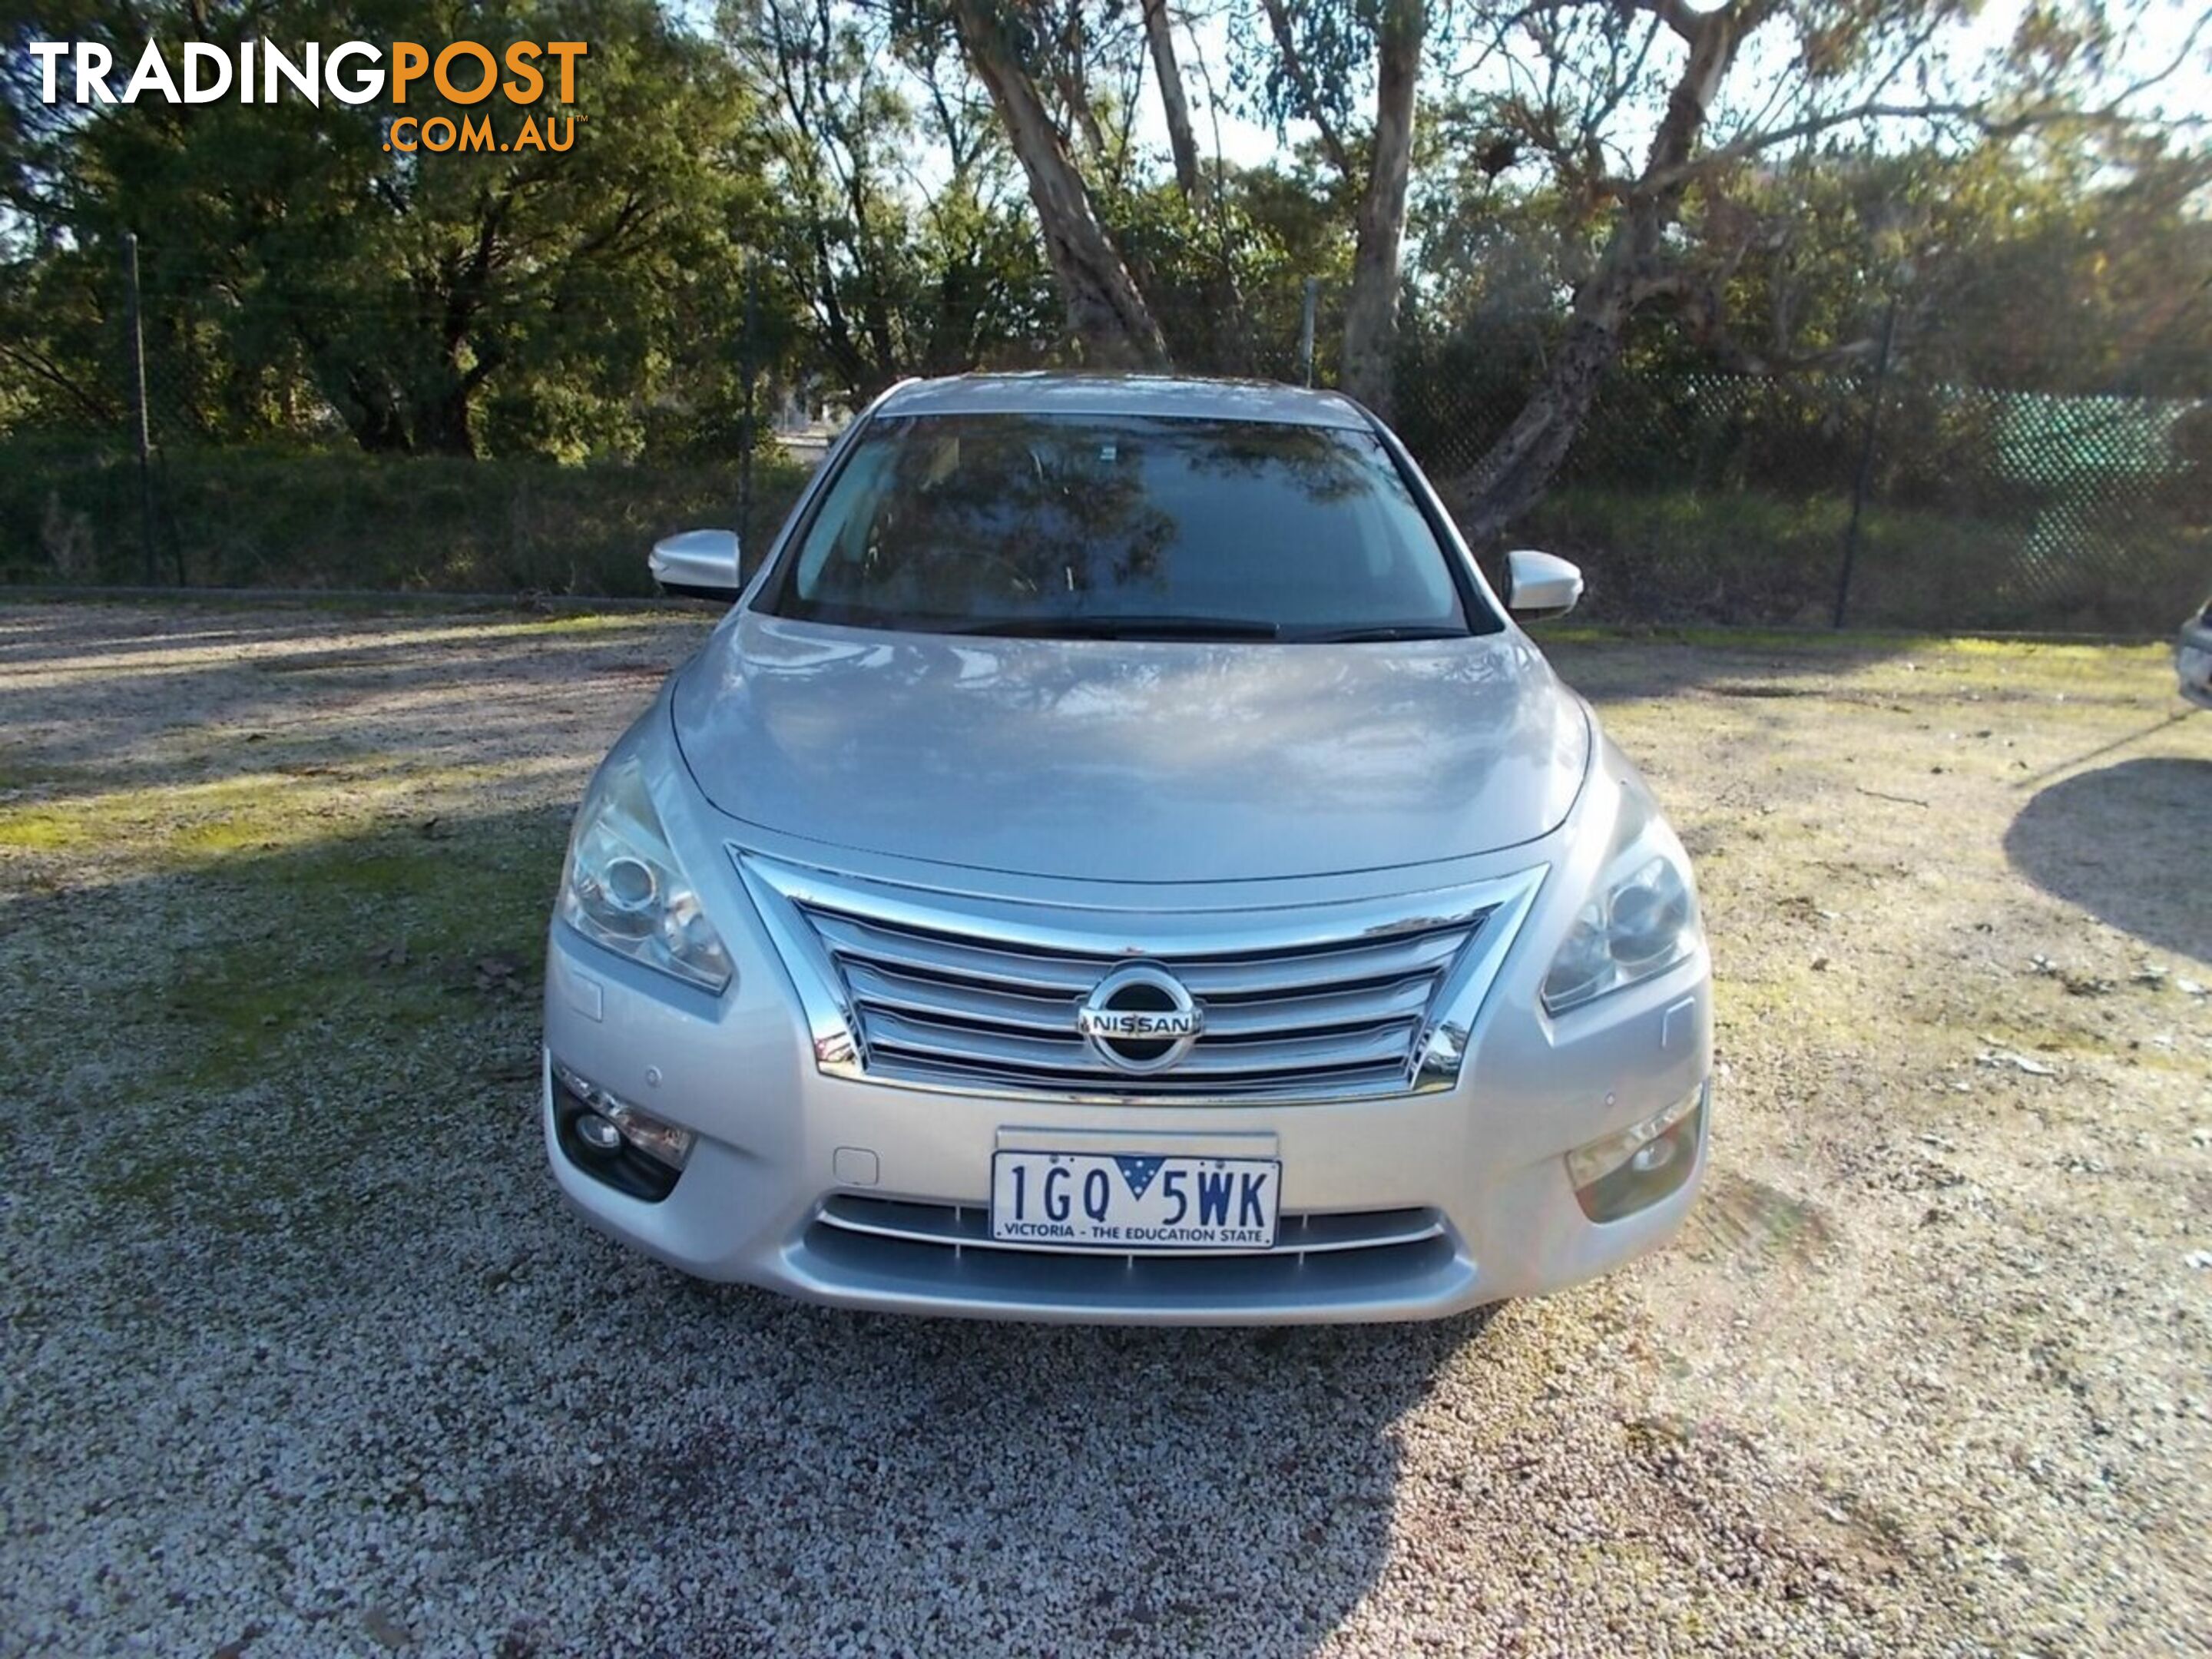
[1119,860]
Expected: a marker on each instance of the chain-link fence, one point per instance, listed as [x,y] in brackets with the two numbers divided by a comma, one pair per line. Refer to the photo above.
[1811,498]
[1885,493]
[328,519]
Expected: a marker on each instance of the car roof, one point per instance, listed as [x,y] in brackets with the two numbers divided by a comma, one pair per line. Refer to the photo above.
[1060,392]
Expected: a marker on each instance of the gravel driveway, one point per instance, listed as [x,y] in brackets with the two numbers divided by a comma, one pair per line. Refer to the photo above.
[303,1357]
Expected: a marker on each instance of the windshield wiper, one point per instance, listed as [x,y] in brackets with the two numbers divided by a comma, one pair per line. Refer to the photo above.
[1127,628]
[1399,631]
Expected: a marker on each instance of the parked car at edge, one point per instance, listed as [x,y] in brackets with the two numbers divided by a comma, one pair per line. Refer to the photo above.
[2192,658]
[1119,860]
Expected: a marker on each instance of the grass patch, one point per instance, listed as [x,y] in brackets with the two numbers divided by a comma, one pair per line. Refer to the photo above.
[381,939]
[265,948]
[171,827]
[282,1003]
[588,622]
[21,775]
[1822,641]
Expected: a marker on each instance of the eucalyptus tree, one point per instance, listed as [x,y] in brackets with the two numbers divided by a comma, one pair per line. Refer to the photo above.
[1644,118]
[1310,63]
[1174,101]
[899,237]
[1017,49]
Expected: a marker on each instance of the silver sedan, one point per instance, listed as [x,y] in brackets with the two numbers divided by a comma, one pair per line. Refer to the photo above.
[1118,860]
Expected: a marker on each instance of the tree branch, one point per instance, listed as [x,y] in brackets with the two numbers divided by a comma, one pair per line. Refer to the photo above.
[1675,14]
[1294,65]
[1974,114]
[43,367]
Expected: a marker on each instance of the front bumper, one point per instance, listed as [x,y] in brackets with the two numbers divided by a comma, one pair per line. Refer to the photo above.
[864,1195]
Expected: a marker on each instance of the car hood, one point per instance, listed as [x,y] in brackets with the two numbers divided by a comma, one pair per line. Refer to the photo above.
[1132,761]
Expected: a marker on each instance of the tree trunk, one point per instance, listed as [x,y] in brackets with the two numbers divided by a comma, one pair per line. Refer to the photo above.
[1169,73]
[1514,473]
[1106,314]
[442,427]
[836,334]
[374,414]
[1371,315]
[1510,477]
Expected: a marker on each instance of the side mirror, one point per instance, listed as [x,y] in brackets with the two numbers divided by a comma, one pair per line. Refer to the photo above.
[1540,585]
[699,564]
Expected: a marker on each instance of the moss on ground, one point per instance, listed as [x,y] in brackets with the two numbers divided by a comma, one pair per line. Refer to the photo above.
[259,930]
[177,826]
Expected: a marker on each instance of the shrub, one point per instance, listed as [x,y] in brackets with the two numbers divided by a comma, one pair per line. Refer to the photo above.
[285,518]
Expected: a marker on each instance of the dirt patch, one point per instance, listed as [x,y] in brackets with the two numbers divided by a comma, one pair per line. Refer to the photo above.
[1747,1222]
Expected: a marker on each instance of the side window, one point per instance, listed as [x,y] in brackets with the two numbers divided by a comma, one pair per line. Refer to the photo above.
[846,524]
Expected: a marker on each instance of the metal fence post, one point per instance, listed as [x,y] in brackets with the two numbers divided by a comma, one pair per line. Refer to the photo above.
[138,402]
[745,554]
[1306,330]
[1866,462]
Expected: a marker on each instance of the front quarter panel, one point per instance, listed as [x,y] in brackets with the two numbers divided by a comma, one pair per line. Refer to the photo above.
[727,1066]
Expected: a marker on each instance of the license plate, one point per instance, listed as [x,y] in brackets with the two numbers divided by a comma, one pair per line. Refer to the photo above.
[1092,1201]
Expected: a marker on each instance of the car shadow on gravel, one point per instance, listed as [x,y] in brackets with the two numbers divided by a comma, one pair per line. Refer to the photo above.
[936,1487]
[2126,843]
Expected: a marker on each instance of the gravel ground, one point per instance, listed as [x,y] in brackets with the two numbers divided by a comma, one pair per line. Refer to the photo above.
[302,1356]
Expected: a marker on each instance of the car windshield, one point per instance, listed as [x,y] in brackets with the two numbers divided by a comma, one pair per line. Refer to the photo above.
[1123,527]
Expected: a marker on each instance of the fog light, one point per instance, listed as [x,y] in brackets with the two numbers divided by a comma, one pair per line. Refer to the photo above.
[599,1133]
[660,1140]
[611,1141]
[1655,1156]
[1638,1166]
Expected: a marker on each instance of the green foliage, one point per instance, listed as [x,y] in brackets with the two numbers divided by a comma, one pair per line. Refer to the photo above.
[1226,283]
[2014,265]
[283,517]
[496,369]
[301,276]
[884,273]
[1331,60]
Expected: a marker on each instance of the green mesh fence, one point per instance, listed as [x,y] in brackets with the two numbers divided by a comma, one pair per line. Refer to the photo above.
[1701,497]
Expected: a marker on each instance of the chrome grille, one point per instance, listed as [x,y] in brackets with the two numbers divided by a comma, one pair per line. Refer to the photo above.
[947,991]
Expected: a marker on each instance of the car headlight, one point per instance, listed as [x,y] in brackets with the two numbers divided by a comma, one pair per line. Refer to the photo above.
[623,889]
[1642,919]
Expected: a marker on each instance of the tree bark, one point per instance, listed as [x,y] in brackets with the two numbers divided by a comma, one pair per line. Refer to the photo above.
[1106,313]
[1161,38]
[1516,469]
[1370,314]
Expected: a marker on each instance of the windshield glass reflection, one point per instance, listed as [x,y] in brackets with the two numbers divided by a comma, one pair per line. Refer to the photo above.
[1122,527]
